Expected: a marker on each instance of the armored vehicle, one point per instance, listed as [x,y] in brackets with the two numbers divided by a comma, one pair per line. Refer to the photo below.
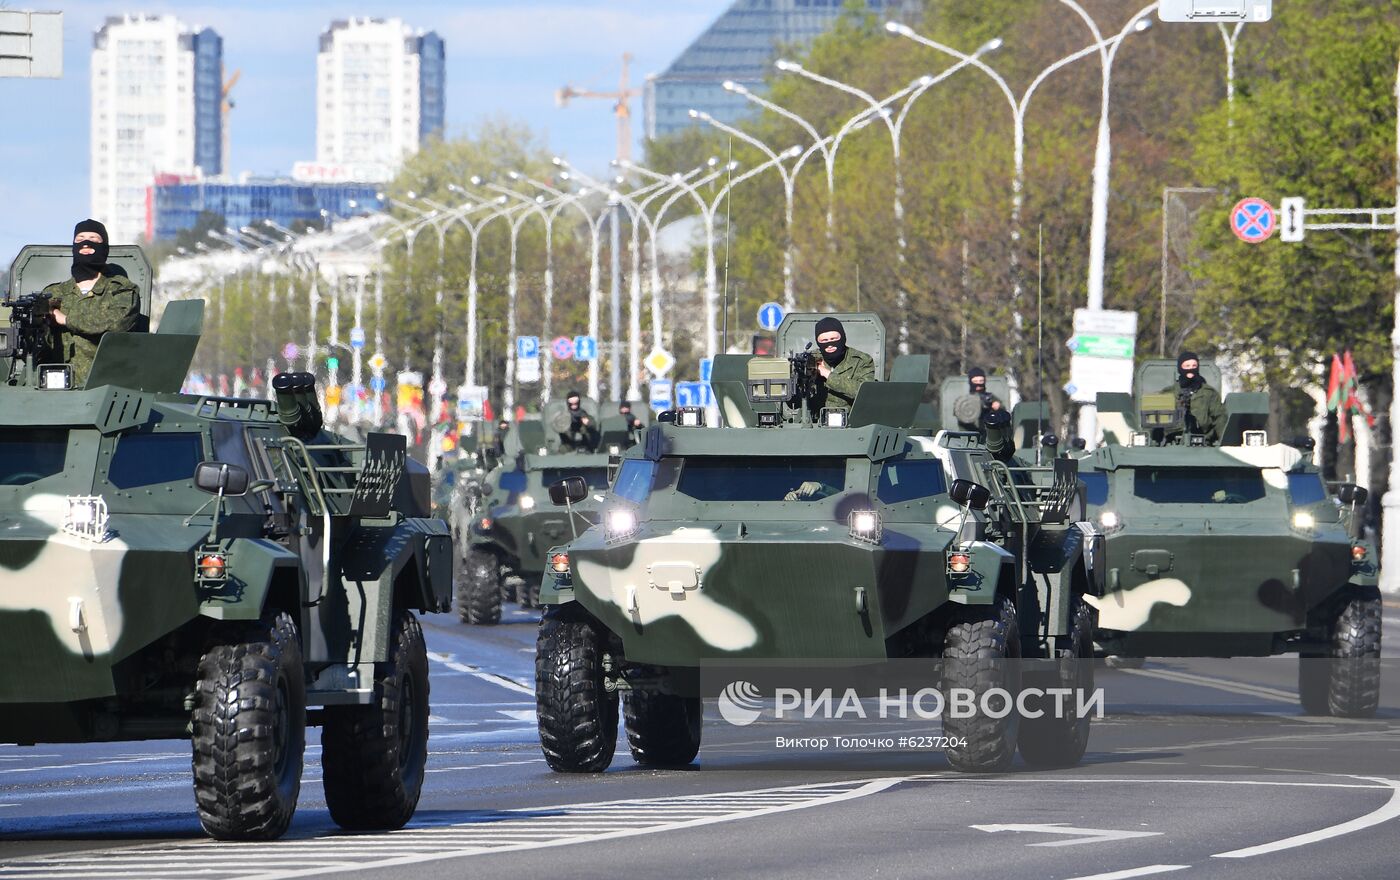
[775,537]
[505,545]
[220,570]
[1235,550]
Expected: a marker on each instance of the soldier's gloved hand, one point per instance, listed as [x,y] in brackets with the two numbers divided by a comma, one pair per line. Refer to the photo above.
[804,491]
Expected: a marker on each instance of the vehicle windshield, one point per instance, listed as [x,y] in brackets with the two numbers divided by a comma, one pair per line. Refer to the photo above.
[634,479]
[908,480]
[1095,487]
[1306,488]
[29,455]
[1223,485]
[597,478]
[149,459]
[762,479]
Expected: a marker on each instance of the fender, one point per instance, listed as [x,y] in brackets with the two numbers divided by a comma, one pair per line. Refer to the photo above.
[253,563]
[990,563]
[421,546]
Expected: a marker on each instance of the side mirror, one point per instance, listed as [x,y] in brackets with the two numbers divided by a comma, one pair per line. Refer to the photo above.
[570,490]
[217,476]
[1350,493]
[970,494]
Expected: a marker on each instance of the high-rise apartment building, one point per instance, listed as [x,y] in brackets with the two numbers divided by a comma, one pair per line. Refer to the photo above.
[379,93]
[156,91]
[742,45]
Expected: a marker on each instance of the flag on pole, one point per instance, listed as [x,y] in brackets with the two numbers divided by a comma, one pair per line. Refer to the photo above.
[1353,385]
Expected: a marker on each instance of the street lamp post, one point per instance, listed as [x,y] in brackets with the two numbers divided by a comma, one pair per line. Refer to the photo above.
[495,210]
[1231,38]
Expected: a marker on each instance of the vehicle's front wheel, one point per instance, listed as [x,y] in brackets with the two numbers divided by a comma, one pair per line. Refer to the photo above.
[577,715]
[981,653]
[1059,737]
[663,730]
[374,756]
[249,731]
[479,588]
[1345,680]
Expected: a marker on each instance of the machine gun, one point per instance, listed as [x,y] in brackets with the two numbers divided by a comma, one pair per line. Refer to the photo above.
[27,339]
[792,381]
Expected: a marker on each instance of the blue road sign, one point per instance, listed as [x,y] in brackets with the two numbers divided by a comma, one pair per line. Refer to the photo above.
[563,348]
[706,366]
[376,384]
[585,348]
[357,337]
[527,347]
[770,316]
[660,394]
[692,394]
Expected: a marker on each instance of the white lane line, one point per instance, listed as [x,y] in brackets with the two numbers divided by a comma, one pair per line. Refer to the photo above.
[1133,872]
[94,763]
[1389,810]
[450,661]
[1234,687]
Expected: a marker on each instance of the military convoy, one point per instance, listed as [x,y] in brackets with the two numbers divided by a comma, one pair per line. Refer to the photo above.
[215,569]
[850,538]
[1234,550]
[505,543]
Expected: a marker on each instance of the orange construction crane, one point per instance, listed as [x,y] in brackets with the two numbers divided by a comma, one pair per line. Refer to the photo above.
[225,105]
[622,107]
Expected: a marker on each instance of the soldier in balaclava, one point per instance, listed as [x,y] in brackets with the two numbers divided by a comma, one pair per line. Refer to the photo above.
[983,402]
[97,299]
[1199,403]
[582,432]
[842,369]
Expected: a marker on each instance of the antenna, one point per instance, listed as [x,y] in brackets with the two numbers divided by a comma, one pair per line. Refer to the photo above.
[1040,338]
[857,286]
[728,232]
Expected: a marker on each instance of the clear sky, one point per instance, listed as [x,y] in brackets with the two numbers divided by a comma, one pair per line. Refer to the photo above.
[503,56]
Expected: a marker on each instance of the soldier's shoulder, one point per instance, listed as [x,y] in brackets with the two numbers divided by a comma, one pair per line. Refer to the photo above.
[121,284]
[60,287]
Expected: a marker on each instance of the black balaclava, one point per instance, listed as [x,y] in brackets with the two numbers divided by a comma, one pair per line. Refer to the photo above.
[974,374]
[625,407]
[1189,381]
[88,266]
[827,325]
[503,426]
[573,400]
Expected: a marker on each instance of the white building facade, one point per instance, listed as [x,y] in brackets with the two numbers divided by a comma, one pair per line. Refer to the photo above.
[156,93]
[379,93]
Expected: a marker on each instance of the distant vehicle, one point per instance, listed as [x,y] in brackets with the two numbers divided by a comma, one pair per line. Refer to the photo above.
[844,539]
[1235,550]
[214,569]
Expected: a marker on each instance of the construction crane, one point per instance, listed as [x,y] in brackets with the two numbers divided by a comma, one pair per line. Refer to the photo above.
[225,105]
[622,106]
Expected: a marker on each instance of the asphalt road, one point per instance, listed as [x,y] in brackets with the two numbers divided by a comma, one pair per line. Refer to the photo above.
[1201,769]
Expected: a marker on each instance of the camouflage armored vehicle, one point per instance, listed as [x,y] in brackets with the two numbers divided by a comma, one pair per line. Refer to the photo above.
[1235,550]
[505,546]
[925,547]
[219,570]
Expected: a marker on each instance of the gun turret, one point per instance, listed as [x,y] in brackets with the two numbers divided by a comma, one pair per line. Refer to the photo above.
[28,338]
[297,407]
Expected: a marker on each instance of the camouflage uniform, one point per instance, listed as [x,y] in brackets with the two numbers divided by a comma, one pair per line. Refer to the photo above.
[855,369]
[1205,414]
[114,304]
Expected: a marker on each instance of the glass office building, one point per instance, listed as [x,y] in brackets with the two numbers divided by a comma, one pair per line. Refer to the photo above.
[178,206]
[742,45]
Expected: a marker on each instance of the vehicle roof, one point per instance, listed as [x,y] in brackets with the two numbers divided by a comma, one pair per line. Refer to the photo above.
[1112,457]
[876,442]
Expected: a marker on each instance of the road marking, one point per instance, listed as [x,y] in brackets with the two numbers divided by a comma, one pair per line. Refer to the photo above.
[94,763]
[1080,835]
[516,830]
[1249,690]
[519,714]
[450,662]
[1389,810]
[1133,872]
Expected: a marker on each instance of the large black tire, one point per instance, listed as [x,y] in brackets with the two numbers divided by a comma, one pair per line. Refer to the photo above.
[981,650]
[1050,741]
[249,731]
[374,756]
[577,716]
[663,730]
[479,588]
[1347,683]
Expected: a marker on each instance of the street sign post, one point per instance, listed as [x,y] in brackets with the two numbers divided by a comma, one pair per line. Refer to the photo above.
[693,394]
[1291,213]
[378,362]
[660,394]
[527,347]
[291,351]
[770,316]
[585,348]
[1103,346]
[659,362]
[1214,11]
[707,366]
[562,347]
[528,369]
[1253,220]
[357,337]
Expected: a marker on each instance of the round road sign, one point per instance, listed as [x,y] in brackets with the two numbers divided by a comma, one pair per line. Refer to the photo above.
[1253,220]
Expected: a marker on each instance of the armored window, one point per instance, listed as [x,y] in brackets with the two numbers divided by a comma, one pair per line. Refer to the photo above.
[597,478]
[1198,485]
[1306,488]
[514,481]
[760,479]
[151,459]
[1095,487]
[909,480]
[634,479]
[29,455]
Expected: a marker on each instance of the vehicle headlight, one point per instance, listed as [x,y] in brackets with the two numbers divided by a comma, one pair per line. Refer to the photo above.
[959,562]
[1110,520]
[527,503]
[1138,439]
[1304,520]
[85,516]
[212,566]
[865,526]
[55,377]
[834,418]
[559,563]
[619,524]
